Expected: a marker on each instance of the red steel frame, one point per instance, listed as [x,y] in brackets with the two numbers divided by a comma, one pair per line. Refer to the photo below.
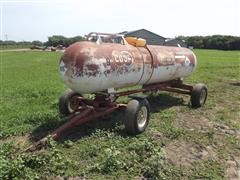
[102,104]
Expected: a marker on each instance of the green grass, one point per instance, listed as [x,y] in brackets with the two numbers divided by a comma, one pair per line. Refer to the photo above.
[30,87]
[9,47]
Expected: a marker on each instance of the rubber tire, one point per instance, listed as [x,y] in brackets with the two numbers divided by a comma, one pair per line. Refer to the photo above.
[64,100]
[196,95]
[131,112]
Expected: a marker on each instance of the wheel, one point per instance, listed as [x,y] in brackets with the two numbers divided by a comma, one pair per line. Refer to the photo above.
[137,116]
[199,95]
[68,102]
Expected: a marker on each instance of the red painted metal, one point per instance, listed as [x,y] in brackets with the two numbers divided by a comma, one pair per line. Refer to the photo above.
[170,86]
[101,105]
[84,116]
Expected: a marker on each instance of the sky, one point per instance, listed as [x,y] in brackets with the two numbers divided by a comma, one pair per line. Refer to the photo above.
[30,20]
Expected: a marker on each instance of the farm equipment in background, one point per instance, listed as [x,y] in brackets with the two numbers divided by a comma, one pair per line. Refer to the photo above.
[37,47]
[48,48]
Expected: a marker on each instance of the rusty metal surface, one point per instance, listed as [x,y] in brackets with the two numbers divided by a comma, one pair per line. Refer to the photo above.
[87,67]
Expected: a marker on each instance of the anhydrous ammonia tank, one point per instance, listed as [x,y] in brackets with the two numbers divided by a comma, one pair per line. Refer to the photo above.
[88,67]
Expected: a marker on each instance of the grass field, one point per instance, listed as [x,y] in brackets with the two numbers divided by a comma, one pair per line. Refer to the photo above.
[10,47]
[180,142]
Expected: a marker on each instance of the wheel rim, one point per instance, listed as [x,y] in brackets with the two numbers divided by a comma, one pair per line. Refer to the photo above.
[203,96]
[142,116]
[73,104]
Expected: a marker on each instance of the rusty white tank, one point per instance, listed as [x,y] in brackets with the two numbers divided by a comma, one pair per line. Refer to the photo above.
[90,67]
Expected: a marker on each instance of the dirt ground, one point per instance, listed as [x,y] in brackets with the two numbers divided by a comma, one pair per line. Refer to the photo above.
[185,153]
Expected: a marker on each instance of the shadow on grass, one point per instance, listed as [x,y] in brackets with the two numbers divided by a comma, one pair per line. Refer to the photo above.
[235,84]
[110,122]
[49,124]
[164,101]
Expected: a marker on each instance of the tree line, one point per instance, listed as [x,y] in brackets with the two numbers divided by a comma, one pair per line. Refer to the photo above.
[212,42]
[61,40]
[197,42]
[54,41]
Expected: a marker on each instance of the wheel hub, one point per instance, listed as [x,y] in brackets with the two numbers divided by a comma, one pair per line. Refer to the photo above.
[203,96]
[142,116]
[73,103]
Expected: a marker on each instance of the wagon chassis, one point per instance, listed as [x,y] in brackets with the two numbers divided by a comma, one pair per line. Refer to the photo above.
[105,103]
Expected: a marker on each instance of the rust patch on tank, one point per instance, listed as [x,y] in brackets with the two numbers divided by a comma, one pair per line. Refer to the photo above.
[92,67]
[86,58]
[167,56]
